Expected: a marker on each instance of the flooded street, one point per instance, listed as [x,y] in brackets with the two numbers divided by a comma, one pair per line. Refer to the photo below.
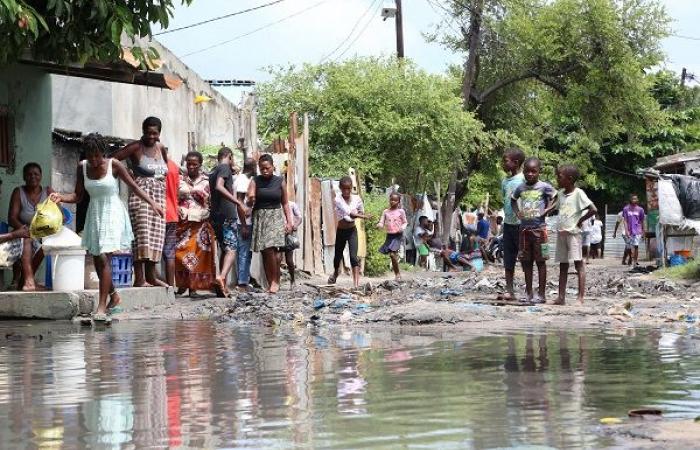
[203,384]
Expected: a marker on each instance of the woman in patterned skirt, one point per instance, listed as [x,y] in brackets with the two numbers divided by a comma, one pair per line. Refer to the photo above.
[195,266]
[148,159]
[272,220]
[107,225]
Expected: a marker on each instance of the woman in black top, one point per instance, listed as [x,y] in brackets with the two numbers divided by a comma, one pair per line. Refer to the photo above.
[272,220]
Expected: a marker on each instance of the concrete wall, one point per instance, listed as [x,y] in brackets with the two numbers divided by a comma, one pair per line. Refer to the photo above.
[118,109]
[27,92]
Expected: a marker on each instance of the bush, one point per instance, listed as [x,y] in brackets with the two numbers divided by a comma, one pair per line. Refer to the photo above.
[376,264]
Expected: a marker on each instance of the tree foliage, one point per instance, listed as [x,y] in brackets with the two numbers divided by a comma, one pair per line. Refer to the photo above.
[66,31]
[565,76]
[389,120]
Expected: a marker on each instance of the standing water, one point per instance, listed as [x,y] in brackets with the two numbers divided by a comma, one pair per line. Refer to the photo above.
[201,384]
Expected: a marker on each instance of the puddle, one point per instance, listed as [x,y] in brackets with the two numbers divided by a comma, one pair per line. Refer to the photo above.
[201,384]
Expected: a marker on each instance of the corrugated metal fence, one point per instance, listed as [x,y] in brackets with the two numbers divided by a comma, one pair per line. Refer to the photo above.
[614,248]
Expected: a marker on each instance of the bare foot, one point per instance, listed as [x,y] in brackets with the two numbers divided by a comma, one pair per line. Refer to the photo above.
[144,284]
[580,300]
[397,278]
[558,301]
[158,283]
[33,288]
[274,288]
[218,286]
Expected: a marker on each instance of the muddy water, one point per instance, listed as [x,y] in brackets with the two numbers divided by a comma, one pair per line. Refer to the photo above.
[201,384]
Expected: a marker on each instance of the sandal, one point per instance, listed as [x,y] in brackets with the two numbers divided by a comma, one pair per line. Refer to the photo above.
[332,279]
[101,318]
[115,310]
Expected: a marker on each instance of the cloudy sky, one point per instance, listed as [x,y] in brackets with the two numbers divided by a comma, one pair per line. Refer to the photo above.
[298,31]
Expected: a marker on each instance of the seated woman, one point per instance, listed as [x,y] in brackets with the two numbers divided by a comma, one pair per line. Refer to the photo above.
[11,244]
[23,203]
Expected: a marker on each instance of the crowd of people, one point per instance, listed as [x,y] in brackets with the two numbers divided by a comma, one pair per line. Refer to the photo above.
[181,216]
[202,225]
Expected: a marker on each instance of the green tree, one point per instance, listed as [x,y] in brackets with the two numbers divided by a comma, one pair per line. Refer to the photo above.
[67,31]
[391,121]
[564,76]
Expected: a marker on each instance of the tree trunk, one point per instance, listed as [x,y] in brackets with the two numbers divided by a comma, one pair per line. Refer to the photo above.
[457,188]
[473,43]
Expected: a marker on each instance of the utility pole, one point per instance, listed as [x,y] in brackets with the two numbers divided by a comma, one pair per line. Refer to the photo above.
[399,30]
[683,77]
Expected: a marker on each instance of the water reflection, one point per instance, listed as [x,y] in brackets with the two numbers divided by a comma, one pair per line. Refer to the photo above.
[206,385]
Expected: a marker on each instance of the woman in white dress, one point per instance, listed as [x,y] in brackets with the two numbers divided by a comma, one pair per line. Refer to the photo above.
[107,226]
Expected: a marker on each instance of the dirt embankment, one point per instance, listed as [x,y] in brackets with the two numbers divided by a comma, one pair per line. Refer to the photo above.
[615,297]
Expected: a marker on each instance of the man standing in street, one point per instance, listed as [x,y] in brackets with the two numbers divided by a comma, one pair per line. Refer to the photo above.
[634,216]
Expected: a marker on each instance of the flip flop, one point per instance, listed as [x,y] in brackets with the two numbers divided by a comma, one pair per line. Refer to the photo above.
[101,318]
[115,310]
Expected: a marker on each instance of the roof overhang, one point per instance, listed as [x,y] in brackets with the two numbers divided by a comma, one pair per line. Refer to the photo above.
[125,71]
[677,159]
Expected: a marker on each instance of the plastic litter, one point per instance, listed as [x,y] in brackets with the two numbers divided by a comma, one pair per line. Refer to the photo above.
[534,309]
[48,220]
[319,303]
[610,421]
[339,303]
[362,308]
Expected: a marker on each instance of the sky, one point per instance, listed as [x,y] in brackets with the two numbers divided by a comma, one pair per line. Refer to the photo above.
[311,31]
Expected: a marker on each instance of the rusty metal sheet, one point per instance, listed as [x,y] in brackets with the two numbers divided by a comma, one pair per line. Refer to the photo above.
[315,243]
[328,213]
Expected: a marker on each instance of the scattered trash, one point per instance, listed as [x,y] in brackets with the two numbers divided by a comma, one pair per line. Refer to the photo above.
[610,421]
[362,308]
[484,283]
[534,309]
[319,303]
[339,303]
[450,292]
[346,316]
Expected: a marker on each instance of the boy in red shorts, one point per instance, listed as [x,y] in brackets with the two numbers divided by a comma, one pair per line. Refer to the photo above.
[531,202]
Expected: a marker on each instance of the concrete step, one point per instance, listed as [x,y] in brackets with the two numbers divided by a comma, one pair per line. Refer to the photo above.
[66,305]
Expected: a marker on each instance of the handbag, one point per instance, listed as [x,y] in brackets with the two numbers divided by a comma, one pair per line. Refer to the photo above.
[291,241]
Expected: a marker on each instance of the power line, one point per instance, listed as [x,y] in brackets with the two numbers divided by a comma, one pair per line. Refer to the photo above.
[691,38]
[237,13]
[354,27]
[219,44]
[362,31]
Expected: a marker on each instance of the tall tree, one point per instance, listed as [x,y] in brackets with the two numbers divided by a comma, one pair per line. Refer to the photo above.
[67,31]
[537,60]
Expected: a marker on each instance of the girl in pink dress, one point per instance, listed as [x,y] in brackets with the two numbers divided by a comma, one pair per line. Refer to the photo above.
[394,222]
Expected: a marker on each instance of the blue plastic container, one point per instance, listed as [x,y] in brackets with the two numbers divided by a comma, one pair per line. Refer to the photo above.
[122,270]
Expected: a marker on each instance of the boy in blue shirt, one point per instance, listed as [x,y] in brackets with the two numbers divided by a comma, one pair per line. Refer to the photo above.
[513,159]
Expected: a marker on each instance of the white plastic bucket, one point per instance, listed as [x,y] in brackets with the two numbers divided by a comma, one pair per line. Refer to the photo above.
[68,269]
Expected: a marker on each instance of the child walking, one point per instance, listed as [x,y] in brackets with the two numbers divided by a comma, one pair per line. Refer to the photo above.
[513,159]
[574,208]
[348,207]
[394,222]
[530,202]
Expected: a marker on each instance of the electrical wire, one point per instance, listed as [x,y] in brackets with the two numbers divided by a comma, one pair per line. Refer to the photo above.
[219,44]
[362,31]
[691,38]
[237,13]
[352,31]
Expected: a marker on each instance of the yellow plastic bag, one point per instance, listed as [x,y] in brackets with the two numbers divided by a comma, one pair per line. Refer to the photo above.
[48,220]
